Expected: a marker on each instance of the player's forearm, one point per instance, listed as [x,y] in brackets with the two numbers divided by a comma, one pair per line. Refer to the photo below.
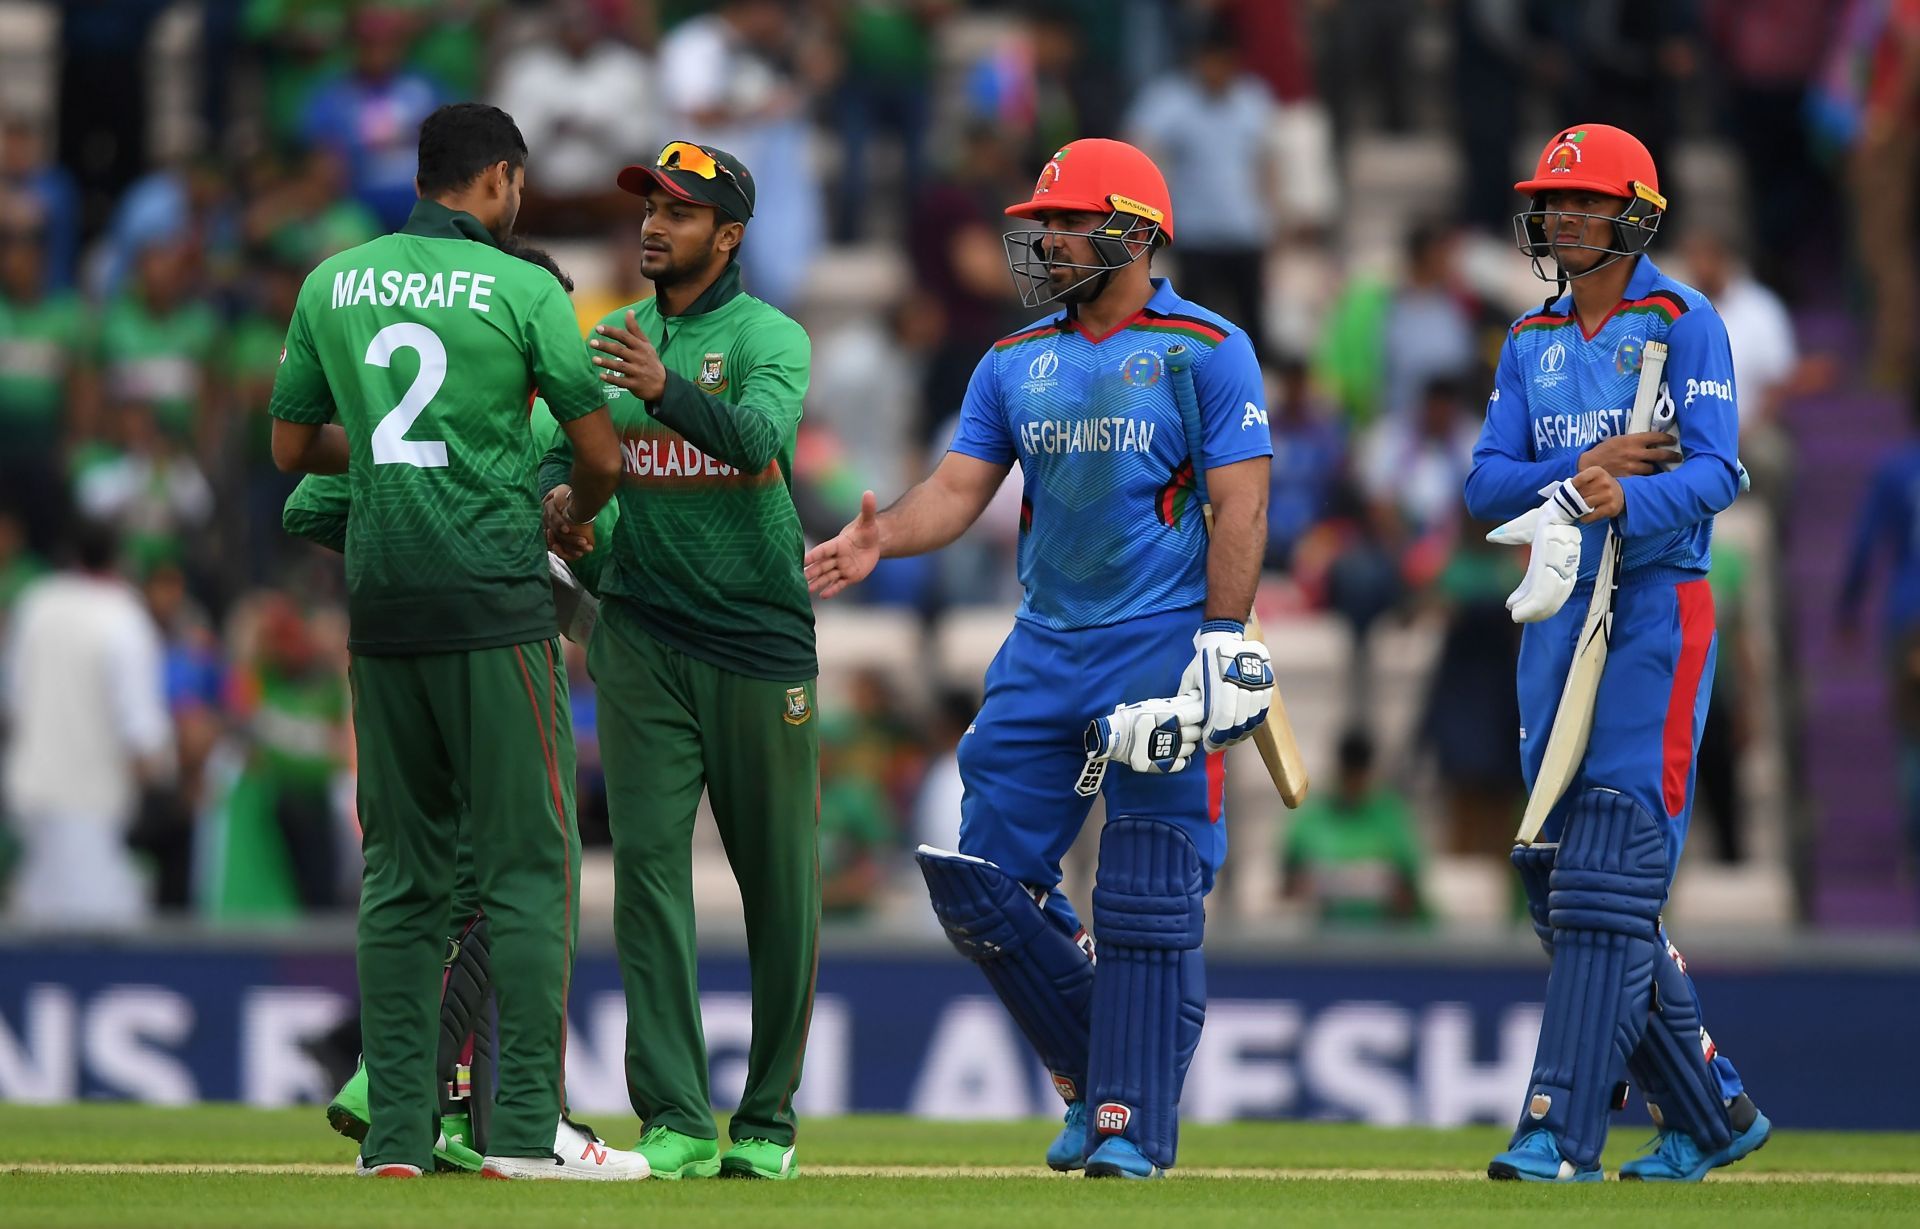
[1697,489]
[1500,488]
[739,435]
[308,448]
[925,519]
[1234,551]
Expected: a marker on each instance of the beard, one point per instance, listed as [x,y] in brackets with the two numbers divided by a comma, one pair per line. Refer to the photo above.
[675,268]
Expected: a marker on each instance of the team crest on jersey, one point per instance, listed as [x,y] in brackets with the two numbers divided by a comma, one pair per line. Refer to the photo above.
[1626,360]
[1142,368]
[798,710]
[711,378]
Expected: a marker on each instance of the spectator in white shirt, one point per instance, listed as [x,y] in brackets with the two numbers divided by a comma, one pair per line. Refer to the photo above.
[1210,128]
[721,83]
[88,733]
[584,100]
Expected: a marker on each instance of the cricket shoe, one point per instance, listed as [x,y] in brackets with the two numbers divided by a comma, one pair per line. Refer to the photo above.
[1069,1149]
[1536,1158]
[347,1113]
[1674,1157]
[674,1154]
[578,1156]
[1116,1157]
[759,1158]
[364,1170]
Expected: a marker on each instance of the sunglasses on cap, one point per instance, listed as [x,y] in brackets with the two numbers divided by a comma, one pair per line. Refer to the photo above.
[688,157]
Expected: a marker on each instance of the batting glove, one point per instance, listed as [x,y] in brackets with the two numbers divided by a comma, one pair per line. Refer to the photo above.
[1553,530]
[1150,736]
[1234,677]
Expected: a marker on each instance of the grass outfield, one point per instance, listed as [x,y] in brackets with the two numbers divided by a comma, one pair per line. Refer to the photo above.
[118,1165]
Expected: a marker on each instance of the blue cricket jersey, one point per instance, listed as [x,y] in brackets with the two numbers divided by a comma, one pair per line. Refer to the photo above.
[1109,529]
[1558,392]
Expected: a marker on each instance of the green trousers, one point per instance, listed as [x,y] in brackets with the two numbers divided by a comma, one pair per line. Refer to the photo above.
[670,725]
[485,738]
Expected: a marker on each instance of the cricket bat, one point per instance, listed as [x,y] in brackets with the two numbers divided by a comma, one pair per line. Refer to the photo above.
[577,609]
[1573,719]
[1278,748]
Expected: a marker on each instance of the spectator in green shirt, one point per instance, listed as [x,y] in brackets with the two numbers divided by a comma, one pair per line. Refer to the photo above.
[157,342]
[1352,855]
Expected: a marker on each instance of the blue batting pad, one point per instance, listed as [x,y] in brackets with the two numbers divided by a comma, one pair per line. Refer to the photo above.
[1150,990]
[1672,1065]
[1608,883]
[1040,972]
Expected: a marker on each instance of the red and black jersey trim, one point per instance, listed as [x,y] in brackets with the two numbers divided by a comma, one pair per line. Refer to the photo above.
[1026,514]
[1035,333]
[1175,322]
[1170,504]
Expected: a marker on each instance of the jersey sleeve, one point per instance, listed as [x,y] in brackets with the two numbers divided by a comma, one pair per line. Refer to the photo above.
[1233,403]
[317,510]
[300,391]
[1505,480]
[983,431]
[749,432]
[1699,377]
[562,365]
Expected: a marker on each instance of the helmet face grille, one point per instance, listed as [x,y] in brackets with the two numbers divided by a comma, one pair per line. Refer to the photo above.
[1632,232]
[1119,241]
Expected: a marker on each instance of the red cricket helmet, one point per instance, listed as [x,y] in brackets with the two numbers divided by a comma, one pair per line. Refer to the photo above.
[1592,158]
[1097,176]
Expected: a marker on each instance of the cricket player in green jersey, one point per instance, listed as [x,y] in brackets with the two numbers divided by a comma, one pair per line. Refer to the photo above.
[459,691]
[318,510]
[704,661]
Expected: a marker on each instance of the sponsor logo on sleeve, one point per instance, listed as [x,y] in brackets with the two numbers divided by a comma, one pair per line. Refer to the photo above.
[1723,389]
[1252,416]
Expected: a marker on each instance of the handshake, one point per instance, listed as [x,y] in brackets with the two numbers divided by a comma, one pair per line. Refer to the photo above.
[1223,698]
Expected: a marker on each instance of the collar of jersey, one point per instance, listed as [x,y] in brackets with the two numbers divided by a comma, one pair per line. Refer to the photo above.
[1639,286]
[432,220]
[1163,300]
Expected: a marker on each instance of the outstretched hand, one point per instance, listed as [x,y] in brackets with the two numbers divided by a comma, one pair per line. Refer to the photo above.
[848,557]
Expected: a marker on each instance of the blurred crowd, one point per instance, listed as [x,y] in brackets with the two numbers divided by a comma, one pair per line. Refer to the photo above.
[1341,172]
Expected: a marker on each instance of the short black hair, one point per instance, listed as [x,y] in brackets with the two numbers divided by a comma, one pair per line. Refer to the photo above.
[1356,750]
[462,139]
[95,544]
[539,256]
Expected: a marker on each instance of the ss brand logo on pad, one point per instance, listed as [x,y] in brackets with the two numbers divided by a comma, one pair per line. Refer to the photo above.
[1112,1118]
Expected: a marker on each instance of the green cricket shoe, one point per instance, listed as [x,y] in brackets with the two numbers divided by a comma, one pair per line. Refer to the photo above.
[759,1158]
[673,1155]
[347,1113]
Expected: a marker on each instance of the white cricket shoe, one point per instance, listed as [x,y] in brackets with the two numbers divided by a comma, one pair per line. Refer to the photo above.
[578,1156]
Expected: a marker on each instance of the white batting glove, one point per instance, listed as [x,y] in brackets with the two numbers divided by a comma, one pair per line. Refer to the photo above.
[1150,736]
[1553,530]
[1234,677]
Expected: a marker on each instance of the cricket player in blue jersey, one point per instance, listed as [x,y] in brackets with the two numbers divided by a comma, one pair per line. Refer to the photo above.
[1131,615]
[1620,1005]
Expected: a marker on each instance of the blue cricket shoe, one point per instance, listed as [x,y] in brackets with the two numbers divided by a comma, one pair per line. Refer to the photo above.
[1068,1152]
[1674,1157]
[1536,1158]
[1116,1157]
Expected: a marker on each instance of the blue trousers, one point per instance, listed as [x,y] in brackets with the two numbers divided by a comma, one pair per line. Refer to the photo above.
[1021,756]
[1648,714]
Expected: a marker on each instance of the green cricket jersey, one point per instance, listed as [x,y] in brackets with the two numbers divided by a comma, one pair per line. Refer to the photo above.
[317,508]
[427,344]
[707,553]
[40,344]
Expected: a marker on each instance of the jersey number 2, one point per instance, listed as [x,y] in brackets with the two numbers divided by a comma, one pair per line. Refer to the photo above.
[390,445]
